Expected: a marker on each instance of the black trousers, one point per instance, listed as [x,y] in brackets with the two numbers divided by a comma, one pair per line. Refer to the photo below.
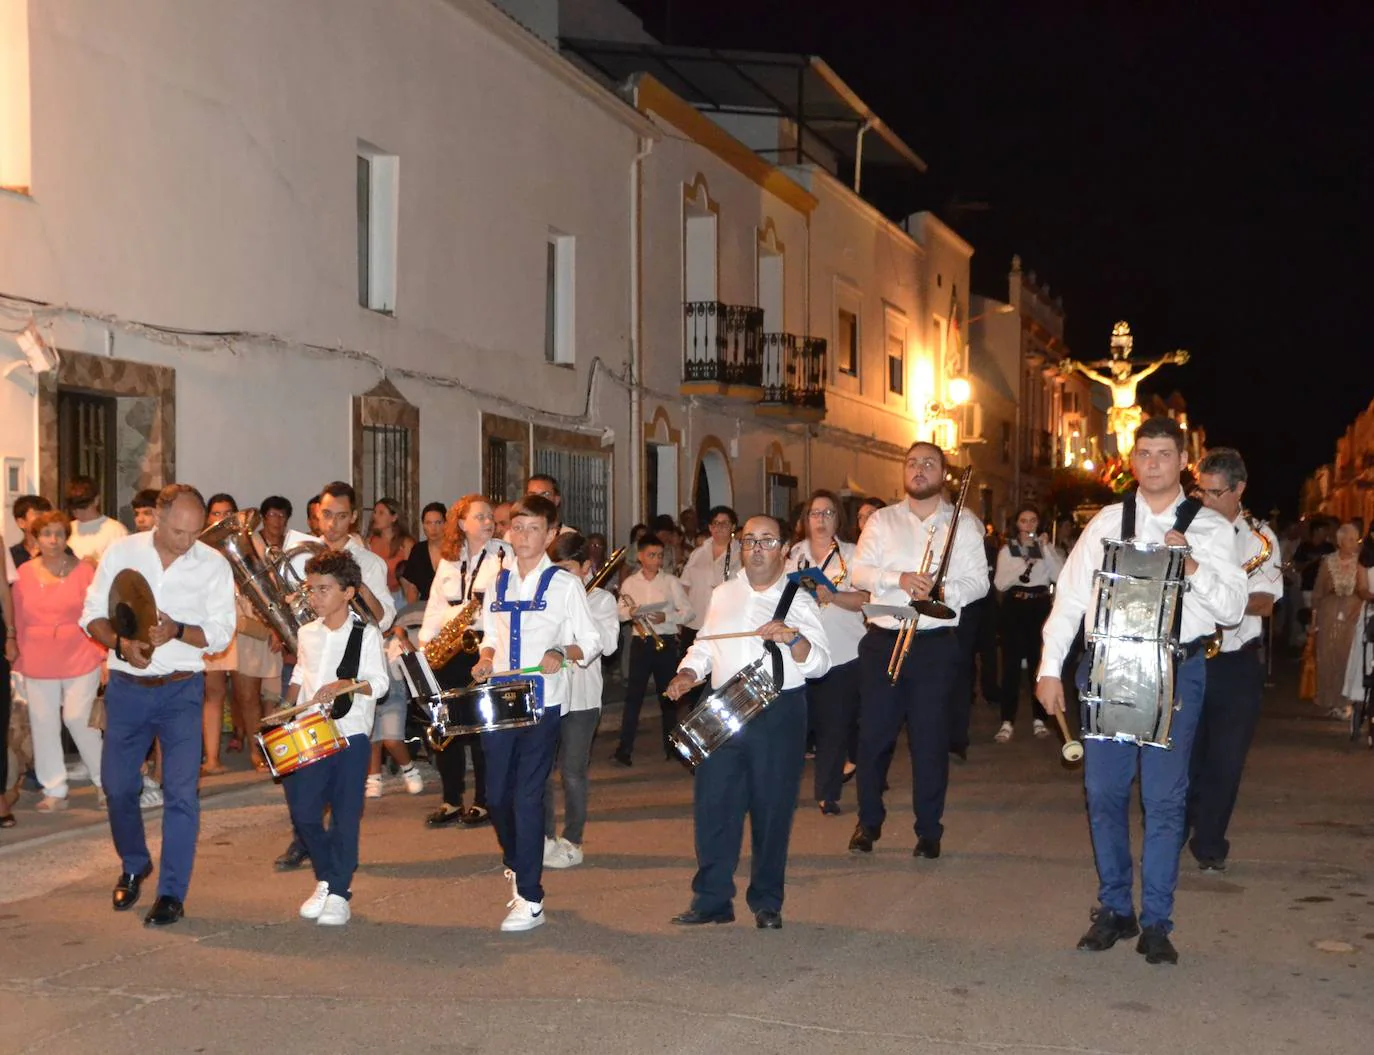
[1022,621]
[975,621]
[452,761]
[921,701]
[833,712]
[1230,713]
[645,660]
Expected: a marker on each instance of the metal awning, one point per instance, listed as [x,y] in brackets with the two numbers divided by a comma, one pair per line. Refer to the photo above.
[800,87]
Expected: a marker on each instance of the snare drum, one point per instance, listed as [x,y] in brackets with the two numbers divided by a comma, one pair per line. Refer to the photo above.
[300,740]
[723,713]
[485,708]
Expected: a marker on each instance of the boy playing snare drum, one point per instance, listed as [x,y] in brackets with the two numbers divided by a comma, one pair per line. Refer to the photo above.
[333,650]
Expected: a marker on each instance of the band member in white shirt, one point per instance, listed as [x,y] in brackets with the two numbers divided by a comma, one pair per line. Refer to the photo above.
[336,650]
[832,699]
[471,560]
[654,646]
[1027,567]
[155,690]
[572,552]
[92,531]
[709,565]
[1235,675]
[758,770]
[1215,595]
[536,615]
[895,561]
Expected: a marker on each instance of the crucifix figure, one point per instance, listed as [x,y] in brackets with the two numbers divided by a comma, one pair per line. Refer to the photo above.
[1125,414]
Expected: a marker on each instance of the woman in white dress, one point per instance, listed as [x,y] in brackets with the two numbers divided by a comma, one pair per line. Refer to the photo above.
[1357,663]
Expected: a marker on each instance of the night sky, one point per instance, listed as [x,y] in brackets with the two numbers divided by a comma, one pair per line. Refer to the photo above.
[1206,179]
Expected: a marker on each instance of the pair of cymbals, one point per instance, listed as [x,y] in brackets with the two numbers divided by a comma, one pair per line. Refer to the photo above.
[133,610]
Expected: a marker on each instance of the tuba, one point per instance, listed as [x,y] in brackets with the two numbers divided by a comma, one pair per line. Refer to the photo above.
[260,577]
[1251,566]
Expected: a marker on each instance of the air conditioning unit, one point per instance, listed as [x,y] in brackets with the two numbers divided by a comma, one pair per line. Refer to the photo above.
[971,423]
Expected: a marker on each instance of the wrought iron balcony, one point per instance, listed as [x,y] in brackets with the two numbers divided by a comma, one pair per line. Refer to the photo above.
[793,376]
[722,347]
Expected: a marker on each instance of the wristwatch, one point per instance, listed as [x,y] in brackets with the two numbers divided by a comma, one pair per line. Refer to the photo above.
[181,629]
[799,636]
[562,652]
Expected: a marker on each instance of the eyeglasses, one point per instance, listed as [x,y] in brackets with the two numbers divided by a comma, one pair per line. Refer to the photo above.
[1212,492]
[542,494]
[766,543]
[822,514]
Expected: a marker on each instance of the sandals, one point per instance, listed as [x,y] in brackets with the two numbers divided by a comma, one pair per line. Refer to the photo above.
[216,770]
[8,821]
[235,743]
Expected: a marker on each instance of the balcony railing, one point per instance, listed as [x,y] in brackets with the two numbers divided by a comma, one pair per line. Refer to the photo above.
[722,344]
[793,371]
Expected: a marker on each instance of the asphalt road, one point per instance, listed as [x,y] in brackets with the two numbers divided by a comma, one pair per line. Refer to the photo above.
[973,952]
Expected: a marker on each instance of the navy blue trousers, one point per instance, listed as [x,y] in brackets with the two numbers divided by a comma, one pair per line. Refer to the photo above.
[135,715]
[336,783]
[757,771]
[519,762]
[1230,713]
[921,701]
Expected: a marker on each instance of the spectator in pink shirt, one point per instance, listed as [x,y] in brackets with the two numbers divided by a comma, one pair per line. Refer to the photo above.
[60,664]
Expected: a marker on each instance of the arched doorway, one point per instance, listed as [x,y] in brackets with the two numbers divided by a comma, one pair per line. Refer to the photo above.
[713,486]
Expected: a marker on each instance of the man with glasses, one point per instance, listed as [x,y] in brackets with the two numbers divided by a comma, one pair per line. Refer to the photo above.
[1235,675]
[546,487]
[758,770]
[895,562]
[1216,595]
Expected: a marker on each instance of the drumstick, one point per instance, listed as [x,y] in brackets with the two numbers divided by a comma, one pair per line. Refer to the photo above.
[537,668]
[738,633]
[1072,751]
[277,717]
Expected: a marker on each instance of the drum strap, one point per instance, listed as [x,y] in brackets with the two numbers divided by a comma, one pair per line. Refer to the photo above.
[348,668]
[515,608]
[1183,515]
[771,647]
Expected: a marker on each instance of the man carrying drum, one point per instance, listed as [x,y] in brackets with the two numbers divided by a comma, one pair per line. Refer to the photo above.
[1215,595]
[757,771]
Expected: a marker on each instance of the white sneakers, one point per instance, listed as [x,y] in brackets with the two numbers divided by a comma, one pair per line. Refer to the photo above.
[314,904]
[151,796]
[1040,729]
[326,909]
[374,786]
[1003,734]
[523,915]
[560,853]
[415,782]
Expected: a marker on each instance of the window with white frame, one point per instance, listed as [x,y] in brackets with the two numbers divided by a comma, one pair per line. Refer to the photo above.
[559,294]
[378,178]
[14,96]
[896,357]
[847,342]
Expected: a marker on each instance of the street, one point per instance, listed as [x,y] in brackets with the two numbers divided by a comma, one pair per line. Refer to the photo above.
[973,952]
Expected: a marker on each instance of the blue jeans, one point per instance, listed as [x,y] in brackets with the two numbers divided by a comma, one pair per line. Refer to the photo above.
[336,782]
[1109,771]
[135,714]
[518,765]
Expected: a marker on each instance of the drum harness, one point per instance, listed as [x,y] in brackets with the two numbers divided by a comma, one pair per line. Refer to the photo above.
[789,591]
[348,668]
[515,609]
[1183,519]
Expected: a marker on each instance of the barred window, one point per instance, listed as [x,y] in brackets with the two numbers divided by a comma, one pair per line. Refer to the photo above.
[584,480]
[386,468]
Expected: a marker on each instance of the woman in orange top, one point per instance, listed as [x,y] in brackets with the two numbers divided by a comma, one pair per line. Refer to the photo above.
[60,664]
[388,538]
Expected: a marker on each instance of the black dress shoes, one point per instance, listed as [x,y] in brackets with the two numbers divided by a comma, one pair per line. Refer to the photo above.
[444,817]
[1108,928]
[165,911]
[1156,947]
[767,919]
[620,758]
[861,842]
[128,887]
[927,848]
[476,816]
[830,809]
[695,917]
[295,856]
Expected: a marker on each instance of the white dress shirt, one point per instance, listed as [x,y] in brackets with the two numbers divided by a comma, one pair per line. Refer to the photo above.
[703,573]
[586,685]
[373,568]
[1215,595]
[317,662]
[737,606]
[196,589]
[894,541]
[1044,571]
[566,620]
[663,589]
[91,538]
[455,581]
[1266,579]
[843,629]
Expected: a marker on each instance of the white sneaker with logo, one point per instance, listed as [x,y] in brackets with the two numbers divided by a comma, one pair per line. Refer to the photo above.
[1040,729]
[314,904]
[150,798]
[335,911]
[374,786]
[415,781]
[565,854]
[523,915]
[1004,733]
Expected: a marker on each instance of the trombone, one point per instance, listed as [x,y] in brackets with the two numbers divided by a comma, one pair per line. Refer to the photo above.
[933,606]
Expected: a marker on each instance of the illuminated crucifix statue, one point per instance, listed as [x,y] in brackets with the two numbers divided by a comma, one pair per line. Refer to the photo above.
[1125,415]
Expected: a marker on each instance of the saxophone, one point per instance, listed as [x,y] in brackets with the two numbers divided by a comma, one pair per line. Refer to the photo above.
[455,636]
[1251,566]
